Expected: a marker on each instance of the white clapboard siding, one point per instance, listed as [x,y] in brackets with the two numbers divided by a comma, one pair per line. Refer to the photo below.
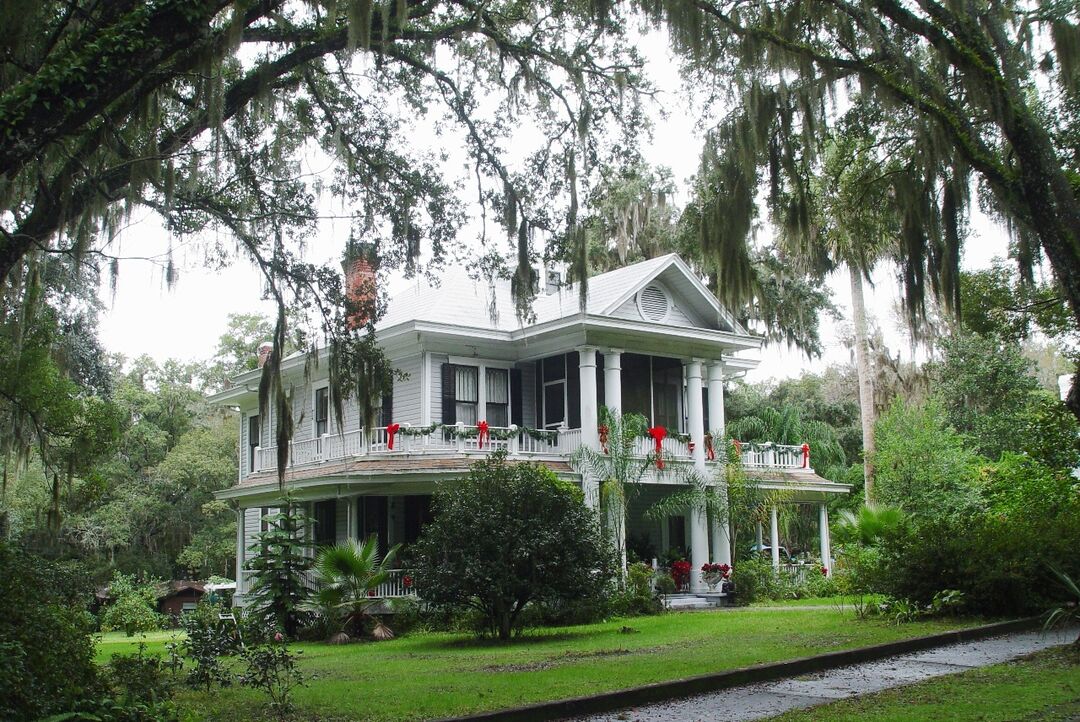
[436,360]
[407,393]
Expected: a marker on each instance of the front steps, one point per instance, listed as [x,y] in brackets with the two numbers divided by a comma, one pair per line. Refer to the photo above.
[705,600]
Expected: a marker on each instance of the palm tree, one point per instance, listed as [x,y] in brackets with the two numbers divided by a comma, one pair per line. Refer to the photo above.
[867,524]
[349,573]
[620,468]
[732,498]
[786,425]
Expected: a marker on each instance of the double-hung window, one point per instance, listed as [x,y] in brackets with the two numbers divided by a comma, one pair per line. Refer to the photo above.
[322,411]
[466,394]
[498,397]
[253,440]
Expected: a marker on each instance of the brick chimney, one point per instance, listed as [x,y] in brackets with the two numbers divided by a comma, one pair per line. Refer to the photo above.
[265,349]
[360,283]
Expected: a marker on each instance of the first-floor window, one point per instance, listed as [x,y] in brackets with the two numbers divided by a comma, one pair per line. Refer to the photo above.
[498,397]
[466,394]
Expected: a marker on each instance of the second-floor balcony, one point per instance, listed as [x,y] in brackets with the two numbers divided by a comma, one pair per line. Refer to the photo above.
[466,440]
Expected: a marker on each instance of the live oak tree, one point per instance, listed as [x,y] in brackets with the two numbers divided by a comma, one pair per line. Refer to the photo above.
[202,110]
[976,95]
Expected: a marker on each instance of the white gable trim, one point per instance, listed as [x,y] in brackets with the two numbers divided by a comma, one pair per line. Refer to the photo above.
[702,289]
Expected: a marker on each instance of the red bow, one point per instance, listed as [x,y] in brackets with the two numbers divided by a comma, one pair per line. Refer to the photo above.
[806,456]
[391,429]
[710,453]
[738,447]
[658,433]
[482,427]
[604,431]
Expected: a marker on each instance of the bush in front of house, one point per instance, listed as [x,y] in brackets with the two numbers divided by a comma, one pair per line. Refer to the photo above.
[507,536]
[133,607]
[46,651]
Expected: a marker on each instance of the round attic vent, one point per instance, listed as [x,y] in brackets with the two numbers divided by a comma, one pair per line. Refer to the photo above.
[653,303]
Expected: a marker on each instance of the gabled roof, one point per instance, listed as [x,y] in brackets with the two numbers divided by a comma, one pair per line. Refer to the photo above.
[461,301]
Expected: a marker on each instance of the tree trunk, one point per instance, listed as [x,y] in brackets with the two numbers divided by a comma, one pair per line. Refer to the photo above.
[866,381]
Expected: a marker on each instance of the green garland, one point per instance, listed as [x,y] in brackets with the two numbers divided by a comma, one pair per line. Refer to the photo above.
[458,432]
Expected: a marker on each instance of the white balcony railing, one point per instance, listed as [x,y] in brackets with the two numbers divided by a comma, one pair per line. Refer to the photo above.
[775,456]
[462,439]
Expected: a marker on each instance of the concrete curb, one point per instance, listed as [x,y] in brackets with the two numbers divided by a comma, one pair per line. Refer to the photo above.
[675,689]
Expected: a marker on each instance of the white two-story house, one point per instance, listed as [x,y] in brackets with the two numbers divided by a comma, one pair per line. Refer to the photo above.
[652,340]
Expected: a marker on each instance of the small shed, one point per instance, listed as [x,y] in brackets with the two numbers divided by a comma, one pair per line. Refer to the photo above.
[179,596]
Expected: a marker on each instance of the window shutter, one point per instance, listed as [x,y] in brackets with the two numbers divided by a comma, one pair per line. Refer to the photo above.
[516,414]
[449,403]
[573,392]
[538,395]
[387,412]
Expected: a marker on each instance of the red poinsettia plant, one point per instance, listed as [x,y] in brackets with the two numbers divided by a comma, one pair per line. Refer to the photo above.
[723,570]
[680,572]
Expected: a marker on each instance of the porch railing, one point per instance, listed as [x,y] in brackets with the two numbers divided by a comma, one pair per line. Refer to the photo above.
[464,439]
[776,456]
[399,584]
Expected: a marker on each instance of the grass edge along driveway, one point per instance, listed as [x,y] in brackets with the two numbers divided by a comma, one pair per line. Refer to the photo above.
[1043,687]
[425,676]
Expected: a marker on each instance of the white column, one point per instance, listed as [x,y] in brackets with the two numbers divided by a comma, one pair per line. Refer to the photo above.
[699,525]
[721,540]
[826,543]
[240,561]
[613,379]
[350,518]
[774,537]
[760,540]
[716,401]
[590,434]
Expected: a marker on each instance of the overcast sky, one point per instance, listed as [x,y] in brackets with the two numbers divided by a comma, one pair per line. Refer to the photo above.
[145,317]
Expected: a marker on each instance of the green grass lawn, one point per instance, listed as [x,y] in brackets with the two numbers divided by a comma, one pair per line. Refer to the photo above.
[423,676]
[1043,687]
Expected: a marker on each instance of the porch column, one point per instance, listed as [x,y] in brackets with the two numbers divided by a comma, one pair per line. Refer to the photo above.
[350,518]
[716,400]
[590,434]
[613,379]
[699,525]
[826,543]
[240,550]
[774,537]
[721,540]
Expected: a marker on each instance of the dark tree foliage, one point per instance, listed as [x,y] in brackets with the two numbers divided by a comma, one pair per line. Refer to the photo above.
[278,593]
[956,95]
[46,651]
[985,388]
[202,112]
[509,535]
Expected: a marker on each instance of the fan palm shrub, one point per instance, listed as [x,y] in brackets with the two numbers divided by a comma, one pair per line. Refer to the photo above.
[620,468]
[865,525]
[349,574]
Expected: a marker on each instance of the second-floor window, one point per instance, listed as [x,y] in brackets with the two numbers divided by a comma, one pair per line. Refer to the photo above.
[466,394]
[253,441]
[498,397]
[322,411]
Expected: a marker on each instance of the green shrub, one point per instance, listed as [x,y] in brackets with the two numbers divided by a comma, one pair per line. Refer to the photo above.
[272,668]
[142,689]
[207,639]
[858,576]
[133,609]
[46,651]
[755,580]
[639,597]
[509,536]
